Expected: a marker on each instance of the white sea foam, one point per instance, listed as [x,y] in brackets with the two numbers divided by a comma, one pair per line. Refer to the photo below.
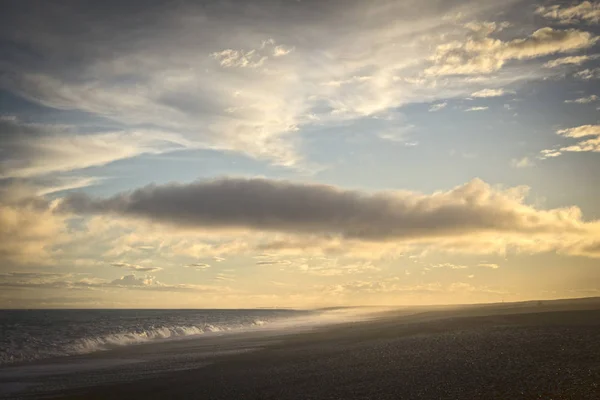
[125,328]
[106,342]
[59,346]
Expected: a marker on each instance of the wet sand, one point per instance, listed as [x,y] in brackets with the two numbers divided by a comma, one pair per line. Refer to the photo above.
[518,351]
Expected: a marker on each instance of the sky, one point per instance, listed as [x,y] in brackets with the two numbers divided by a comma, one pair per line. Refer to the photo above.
[298,153]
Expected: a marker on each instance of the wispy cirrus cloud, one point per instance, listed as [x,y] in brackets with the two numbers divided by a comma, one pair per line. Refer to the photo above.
[135,267]
[586,11]
[449,266]
[125,282]
[486,55]
[524,162]
[478,108]
[570,60]
[198,266]
[588,74]
[252,93]
[584,100]
[438,106]
[488,265]
[32,149]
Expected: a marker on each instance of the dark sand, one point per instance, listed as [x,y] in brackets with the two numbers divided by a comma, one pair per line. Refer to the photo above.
[513,351]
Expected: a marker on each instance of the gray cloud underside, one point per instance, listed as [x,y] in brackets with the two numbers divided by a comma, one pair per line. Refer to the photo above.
[272,205]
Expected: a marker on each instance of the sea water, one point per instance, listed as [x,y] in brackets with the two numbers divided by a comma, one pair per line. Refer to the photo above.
[33,335]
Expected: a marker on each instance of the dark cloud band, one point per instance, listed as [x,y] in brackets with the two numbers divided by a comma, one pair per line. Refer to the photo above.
[273,205]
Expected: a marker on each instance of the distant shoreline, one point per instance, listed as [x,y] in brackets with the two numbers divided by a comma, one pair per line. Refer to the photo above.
[524,302]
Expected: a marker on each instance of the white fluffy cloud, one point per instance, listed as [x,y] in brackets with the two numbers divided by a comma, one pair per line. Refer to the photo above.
[591,142]
[488,93]
[580,131]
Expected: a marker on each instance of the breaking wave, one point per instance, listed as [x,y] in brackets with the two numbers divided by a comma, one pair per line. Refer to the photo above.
[107,342]
[29,335]
[35,350]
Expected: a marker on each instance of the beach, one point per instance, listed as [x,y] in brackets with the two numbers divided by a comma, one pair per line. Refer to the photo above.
[548,350]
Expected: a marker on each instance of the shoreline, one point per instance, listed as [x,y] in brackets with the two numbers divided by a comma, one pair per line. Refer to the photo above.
[474,352]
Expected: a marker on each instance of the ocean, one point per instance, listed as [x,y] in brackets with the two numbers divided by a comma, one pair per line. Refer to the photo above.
[34,335]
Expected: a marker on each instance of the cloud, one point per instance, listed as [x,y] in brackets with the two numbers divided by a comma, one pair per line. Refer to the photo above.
[437,107]
[64,183]
[488,265]
[449,266]
[489,93]
[587,74]
[583,12]
[477,109]
[134,267]
[239,58]
[591,144]
[486,55]
[320,265]
[274,262]
[224,277]
[253,88]
[393,286]
[584,100]
[524,162]
[29,228]
[40,280]
[428,232]
[580,131]
[280,50]
[198,266]
[280,284]
[399,135]
[251,58]
[486,27]
[324,266]
[570,60]
[281,206]
[38,149]
[131,281]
